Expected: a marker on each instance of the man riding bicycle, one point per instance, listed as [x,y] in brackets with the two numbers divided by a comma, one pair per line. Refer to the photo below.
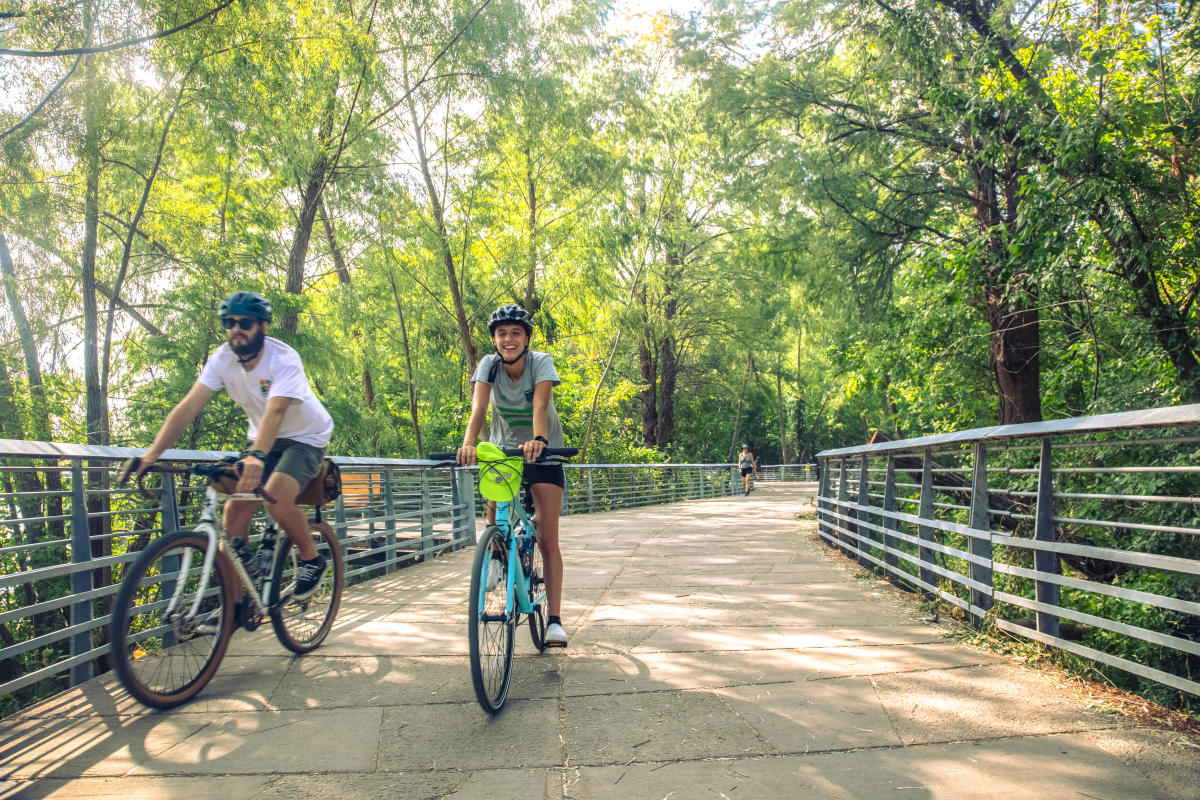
[289,428]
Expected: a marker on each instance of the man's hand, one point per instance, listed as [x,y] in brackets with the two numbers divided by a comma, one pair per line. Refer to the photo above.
[252,470]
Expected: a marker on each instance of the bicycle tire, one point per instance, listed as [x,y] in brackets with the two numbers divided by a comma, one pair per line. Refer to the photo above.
[490,627]
[537,585]
[163,657]
[302,625]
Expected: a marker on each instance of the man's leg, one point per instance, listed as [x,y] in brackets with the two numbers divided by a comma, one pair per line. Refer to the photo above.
[288,515]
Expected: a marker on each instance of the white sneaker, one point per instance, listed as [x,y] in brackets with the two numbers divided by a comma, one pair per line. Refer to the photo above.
[556,635]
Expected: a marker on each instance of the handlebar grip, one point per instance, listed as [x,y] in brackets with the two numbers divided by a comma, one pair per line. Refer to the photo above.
[451,456]
[564,452]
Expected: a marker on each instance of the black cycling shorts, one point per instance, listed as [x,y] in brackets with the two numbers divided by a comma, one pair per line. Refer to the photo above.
[746,471]
[544,473]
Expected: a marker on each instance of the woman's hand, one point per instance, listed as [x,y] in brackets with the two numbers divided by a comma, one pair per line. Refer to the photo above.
[533,450]
[467,456]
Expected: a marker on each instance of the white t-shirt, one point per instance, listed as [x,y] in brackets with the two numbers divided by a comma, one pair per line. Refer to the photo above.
[278,373]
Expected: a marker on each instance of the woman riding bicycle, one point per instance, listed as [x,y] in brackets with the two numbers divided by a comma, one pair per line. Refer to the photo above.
[518,383]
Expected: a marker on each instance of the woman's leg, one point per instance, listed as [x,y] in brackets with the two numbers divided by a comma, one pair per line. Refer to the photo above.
[547,502]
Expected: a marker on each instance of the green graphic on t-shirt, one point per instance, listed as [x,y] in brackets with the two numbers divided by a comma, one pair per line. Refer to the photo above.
[516,416]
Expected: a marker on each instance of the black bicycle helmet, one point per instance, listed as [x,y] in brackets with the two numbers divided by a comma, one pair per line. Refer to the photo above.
[511,314]
[246,304]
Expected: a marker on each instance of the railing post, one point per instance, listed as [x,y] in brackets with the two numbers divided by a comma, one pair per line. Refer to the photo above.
[840,505]
[1045,560]
[822,505]
[81,579]
[591,493]
[466,493]
[864,499]
[925,511]
[981,521]
[389,525]
[170,504]
[890,523]
[426,516]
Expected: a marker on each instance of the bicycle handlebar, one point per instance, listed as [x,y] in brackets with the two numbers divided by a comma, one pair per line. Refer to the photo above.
[209,471]
[560,452]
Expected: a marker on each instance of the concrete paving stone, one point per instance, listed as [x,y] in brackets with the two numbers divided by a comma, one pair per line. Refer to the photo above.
[655,726]
[813,716]
[375,637]
[241,787]
[978,702]
[531,784]
[311,740]
[371,681]
[98,746]
[1168,759]
[867,633]
[1034,768]
[677,639]
[524,734]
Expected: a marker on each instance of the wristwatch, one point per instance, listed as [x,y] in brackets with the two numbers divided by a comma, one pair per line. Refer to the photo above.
[542,439]
[259,454]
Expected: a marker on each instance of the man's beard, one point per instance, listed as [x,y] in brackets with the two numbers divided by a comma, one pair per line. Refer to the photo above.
[250,348]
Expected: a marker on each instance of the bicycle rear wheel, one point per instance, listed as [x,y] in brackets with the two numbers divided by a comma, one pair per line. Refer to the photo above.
[490,623]
[301,625]
[162,652]
[537,586]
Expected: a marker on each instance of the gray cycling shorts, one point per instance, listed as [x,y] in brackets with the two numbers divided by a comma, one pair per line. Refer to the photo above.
[300,461]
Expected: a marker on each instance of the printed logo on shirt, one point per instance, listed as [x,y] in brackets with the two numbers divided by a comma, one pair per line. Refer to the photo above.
[264,386]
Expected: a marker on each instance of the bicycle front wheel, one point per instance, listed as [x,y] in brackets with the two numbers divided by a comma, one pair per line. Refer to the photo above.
[490,621]
[302,625]
[171,623]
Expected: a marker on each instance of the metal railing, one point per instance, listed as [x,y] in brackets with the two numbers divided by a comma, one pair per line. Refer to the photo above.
[1081,534]
[780,473]
[67,534]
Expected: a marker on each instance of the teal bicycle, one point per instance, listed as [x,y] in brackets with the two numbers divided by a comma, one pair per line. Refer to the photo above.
[507,581]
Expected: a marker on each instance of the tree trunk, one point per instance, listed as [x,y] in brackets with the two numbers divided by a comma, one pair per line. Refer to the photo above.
[649,371]
[412,386]
[531,279]
[470,354]
[1013,320]
[783,459]
[587,434]
[737,416]
[668,374]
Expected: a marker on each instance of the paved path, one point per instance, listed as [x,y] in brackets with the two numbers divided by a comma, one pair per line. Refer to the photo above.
[719,650]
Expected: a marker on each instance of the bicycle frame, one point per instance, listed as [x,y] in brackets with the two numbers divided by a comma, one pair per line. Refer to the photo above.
[215,529]
[518,584]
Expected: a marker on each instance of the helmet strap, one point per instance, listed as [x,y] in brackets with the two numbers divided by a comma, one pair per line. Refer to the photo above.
[515,360]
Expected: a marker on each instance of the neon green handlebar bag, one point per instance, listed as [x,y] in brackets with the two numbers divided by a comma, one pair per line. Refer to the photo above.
[499,475]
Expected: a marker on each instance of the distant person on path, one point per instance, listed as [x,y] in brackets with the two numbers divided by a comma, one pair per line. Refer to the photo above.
[518,383]
[289,428]
[746,463]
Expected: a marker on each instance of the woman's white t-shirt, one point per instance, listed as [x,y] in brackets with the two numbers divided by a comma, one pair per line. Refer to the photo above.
[279,373]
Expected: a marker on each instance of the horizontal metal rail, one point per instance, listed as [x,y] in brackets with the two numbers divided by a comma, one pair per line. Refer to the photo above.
[1091,521]
[67,534]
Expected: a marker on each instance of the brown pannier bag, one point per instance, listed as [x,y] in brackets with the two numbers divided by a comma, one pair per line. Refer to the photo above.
[324,488]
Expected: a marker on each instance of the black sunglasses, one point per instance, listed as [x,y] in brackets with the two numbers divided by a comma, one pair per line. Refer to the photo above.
[245,323]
